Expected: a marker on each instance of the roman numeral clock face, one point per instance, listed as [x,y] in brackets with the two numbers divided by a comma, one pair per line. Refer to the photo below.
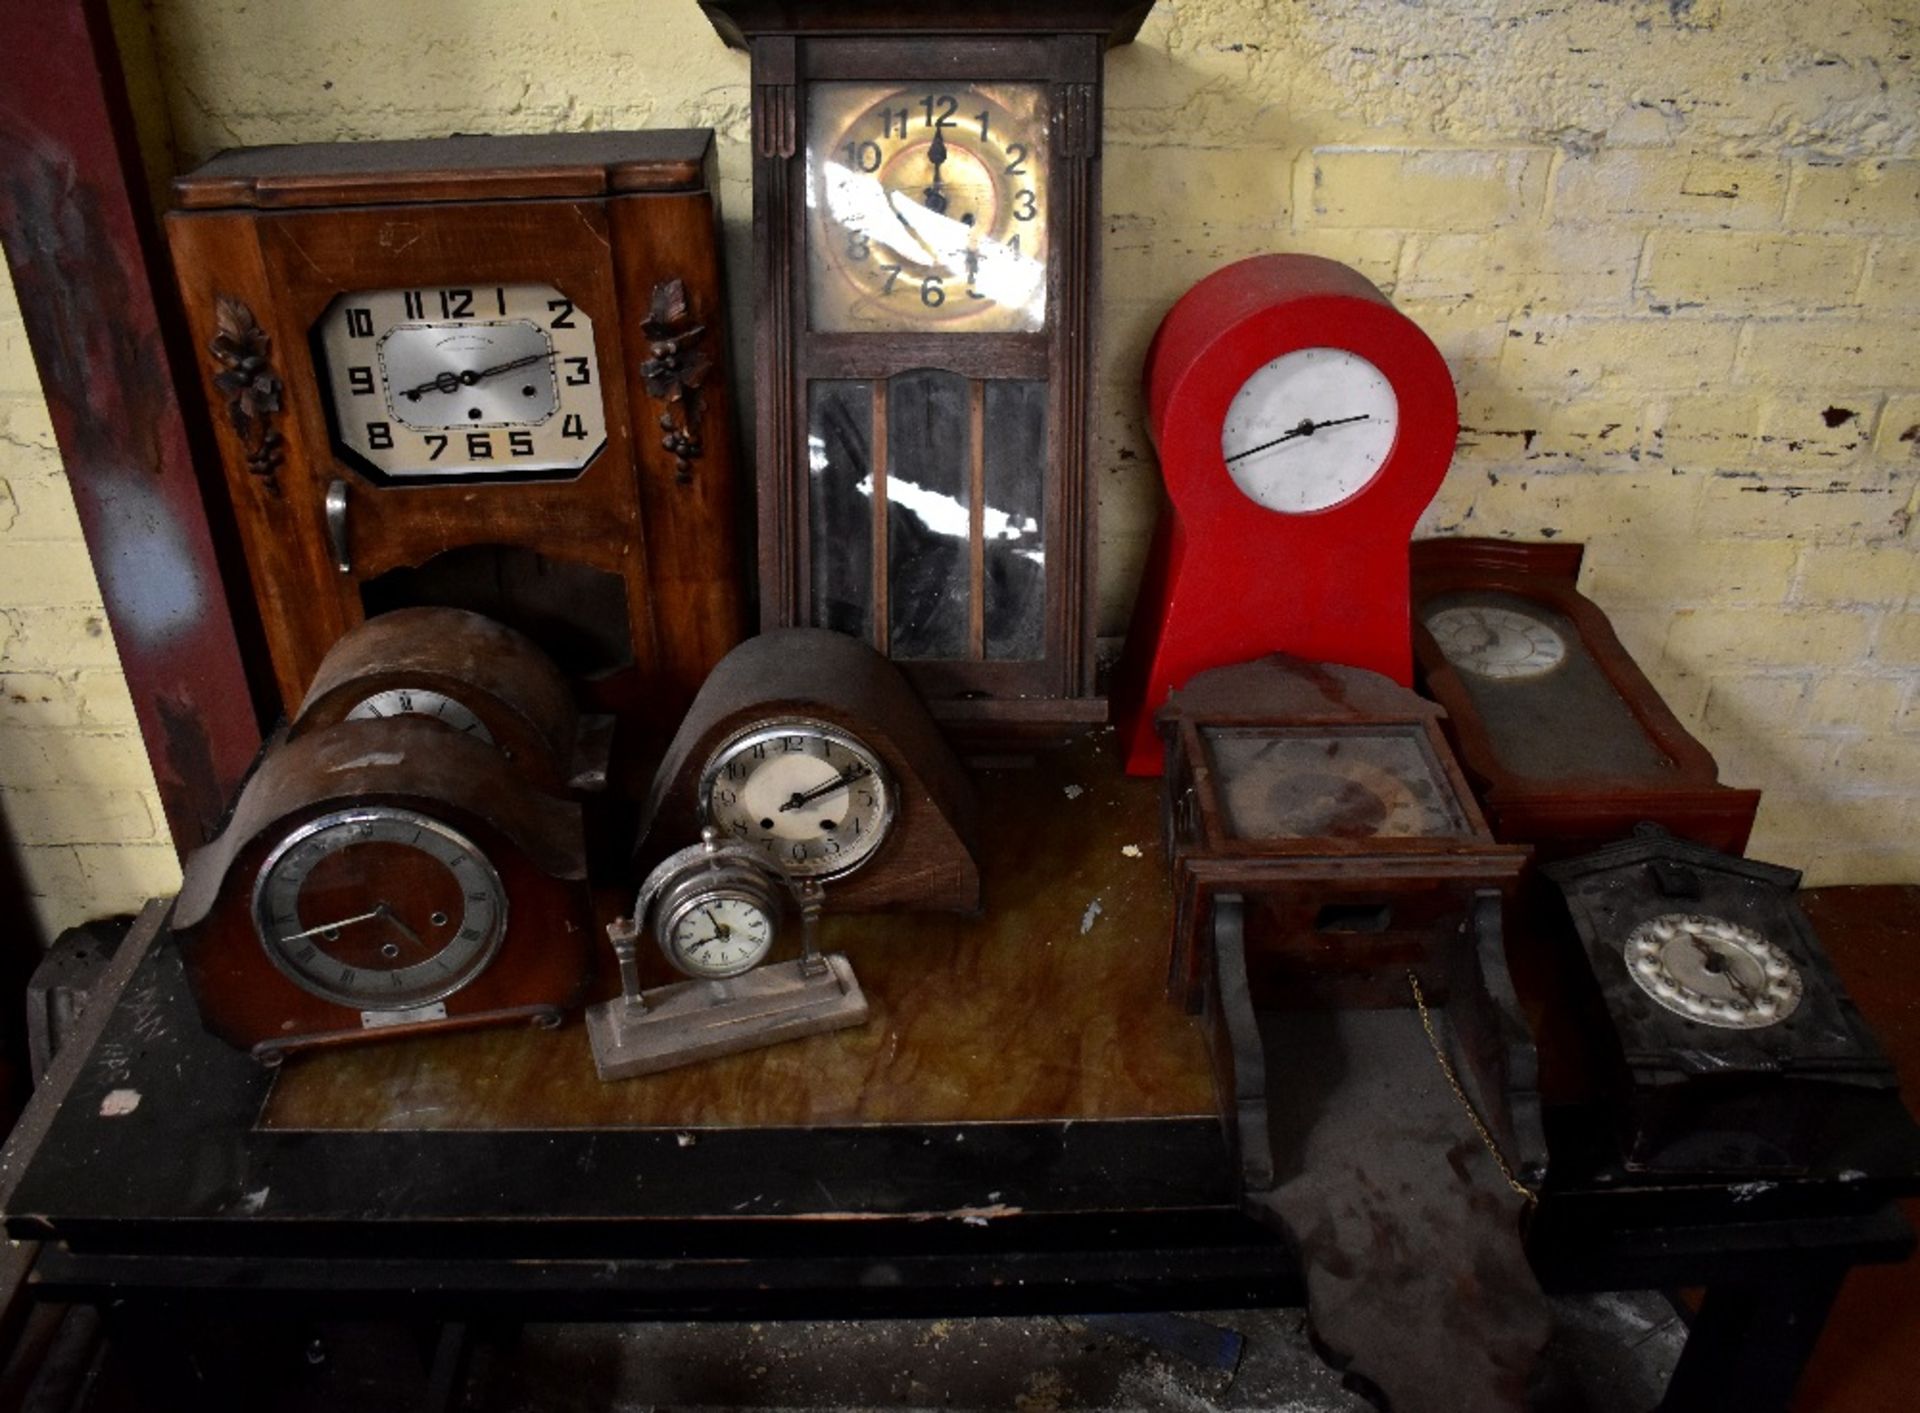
[466,382]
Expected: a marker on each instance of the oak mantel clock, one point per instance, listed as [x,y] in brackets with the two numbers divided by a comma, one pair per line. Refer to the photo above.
[477,372]
[926,189]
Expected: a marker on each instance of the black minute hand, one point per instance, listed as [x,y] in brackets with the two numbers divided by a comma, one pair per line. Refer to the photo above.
[452,382]
[1306,428]
[839,782]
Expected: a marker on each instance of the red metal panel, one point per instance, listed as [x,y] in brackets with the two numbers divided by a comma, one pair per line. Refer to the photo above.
[79,236]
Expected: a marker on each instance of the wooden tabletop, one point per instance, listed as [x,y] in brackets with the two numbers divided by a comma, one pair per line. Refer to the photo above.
[1049,1005]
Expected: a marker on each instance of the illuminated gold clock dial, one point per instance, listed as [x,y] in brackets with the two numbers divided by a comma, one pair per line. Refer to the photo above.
[927,207]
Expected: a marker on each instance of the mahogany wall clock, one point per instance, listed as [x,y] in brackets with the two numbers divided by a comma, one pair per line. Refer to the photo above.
[480,372]
[1567,741]
[385,876]
[926,214]
[1302,424]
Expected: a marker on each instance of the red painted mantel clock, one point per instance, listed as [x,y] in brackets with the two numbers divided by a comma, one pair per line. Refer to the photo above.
[926,223]
[1303,425]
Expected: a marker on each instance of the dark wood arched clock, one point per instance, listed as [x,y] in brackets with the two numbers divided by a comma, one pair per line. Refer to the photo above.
[926,195]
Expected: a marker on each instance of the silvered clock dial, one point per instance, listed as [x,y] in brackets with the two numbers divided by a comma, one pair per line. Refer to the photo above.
[482,380]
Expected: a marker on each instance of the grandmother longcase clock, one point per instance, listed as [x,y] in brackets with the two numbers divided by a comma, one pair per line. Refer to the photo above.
[926,191]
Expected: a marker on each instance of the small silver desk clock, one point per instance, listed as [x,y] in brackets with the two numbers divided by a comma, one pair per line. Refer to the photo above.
[715,909]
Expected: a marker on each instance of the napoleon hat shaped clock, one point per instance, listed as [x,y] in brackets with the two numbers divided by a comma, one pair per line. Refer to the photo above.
[1303,424]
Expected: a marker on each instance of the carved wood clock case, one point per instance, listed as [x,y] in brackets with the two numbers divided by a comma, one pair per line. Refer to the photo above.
[478,372]
[926,195]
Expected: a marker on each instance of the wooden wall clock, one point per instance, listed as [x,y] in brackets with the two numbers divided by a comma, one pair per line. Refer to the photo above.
[480,372]
[1303,424]
[926,215]
[809,747]
[380,877]
[1567,741]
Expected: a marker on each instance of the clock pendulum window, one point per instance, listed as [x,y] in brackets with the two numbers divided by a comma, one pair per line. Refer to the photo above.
[925,207]
[1302,424]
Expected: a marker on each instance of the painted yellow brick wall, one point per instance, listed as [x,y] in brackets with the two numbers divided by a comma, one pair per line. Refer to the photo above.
[1671,249]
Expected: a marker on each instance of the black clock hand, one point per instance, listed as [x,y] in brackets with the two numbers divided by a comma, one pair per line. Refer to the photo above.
[398,926]
[839,782]
[450,382]
[937,155]
[1306,428]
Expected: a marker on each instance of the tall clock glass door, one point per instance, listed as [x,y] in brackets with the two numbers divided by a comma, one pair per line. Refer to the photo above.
[928,517]
[926,399]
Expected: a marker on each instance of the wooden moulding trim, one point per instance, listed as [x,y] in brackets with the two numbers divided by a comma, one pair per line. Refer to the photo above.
[478,168]
[738,21]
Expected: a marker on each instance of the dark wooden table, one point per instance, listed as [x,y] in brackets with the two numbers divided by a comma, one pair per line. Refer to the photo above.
[1025,1125]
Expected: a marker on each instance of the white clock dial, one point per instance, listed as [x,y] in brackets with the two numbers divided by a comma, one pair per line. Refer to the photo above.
[1310,429]
[811,797]
[488,380]
[1497,642]
[1713,971]
[421,701]
[721,935]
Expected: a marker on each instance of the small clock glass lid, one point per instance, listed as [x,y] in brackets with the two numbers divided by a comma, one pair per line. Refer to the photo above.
[1329,783]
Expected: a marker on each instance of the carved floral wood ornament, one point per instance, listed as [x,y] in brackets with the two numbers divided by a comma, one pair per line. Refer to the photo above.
[242,349]
[674,371]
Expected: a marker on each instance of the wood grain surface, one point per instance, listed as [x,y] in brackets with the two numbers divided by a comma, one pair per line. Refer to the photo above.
[1048,1006]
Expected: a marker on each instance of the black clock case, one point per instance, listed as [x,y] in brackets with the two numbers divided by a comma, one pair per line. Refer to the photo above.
[1686,1097]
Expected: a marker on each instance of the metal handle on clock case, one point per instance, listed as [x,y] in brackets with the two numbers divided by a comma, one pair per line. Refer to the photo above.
[337,526]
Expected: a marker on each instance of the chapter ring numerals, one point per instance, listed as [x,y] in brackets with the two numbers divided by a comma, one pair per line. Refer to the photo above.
[931,204]
[488,379]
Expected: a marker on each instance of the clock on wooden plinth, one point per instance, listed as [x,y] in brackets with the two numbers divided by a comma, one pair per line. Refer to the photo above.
[809,749]
[926,190]
[385,876]
[480,372]
[1302,424]
[1567,741]
[1327,798]
[1734,1049]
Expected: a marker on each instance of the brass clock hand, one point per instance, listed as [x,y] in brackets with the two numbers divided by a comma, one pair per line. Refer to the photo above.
[1306,428]
[839,782]
[450,381]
